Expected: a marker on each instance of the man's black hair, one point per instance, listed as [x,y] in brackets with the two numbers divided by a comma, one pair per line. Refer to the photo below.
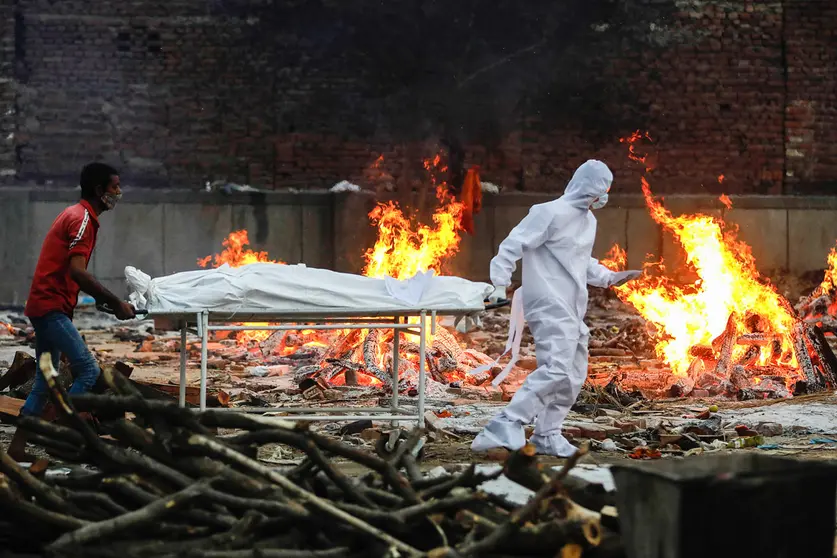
[93,176]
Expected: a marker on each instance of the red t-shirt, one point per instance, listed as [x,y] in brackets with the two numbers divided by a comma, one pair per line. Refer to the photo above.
[72,233]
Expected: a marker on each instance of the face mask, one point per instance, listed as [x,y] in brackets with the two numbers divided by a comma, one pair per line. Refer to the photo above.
[599,203]
[110,200]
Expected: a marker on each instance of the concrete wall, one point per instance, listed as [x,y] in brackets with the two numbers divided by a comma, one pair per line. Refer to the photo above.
[164,232]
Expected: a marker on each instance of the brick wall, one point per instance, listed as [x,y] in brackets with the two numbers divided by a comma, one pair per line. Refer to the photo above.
[7,90]
[811,110]
[176,93]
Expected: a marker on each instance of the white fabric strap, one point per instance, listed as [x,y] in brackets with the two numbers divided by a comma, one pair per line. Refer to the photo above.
[516,324]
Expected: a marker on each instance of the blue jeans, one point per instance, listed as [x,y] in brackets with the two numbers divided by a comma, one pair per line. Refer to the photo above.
[56,334]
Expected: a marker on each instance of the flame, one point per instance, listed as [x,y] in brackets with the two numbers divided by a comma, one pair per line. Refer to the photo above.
[725,200]
[830,280]
[616,259]
[728,283]
[721,180]
[235,254]
[405,247]
[632,141]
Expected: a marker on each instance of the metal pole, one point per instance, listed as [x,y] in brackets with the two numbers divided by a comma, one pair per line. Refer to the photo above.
[396,342]
[296,327]
[184,352]
[422,345]
[204,320]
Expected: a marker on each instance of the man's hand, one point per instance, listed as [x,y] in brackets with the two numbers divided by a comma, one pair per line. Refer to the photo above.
[622,277]
[85,280]
[499,293]
[125,311]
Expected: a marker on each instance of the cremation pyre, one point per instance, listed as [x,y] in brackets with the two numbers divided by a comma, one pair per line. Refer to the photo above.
[727,329]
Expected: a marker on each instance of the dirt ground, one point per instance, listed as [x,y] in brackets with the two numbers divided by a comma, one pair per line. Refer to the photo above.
[806,422]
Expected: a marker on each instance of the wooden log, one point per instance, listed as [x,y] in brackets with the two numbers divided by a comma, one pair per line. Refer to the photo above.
[729,338]
[10,407]
[147,514]
[501,534]
[215,397]
[750,356]
[21,371]
[705,352]
[323,506]
[756,339]
[29,513]
[803,358]
[826,354]
[697,368]
[682,386]
[370,356]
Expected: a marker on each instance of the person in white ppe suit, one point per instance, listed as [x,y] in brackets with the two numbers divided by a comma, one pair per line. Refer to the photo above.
[555,241]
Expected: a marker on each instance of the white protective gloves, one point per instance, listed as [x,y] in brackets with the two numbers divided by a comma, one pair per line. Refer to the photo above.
[622,277]
[464,324]
[499,293]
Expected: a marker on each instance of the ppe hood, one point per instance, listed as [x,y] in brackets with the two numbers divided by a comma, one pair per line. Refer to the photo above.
[590,181]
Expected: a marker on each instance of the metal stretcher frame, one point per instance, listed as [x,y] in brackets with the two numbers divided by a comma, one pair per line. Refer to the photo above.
[205,321]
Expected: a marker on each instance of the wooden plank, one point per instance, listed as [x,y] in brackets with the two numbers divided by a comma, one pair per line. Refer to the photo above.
[9,406]
[214,397]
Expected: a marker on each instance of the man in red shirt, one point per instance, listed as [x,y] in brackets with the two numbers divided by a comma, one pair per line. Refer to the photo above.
[59,276]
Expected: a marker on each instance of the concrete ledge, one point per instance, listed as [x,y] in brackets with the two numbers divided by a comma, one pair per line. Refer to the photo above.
[165,231]
[136,195]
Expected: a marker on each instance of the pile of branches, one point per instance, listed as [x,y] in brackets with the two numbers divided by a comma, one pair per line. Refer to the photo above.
[166,484]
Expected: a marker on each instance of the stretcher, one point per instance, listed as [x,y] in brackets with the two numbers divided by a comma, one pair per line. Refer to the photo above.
[303,298]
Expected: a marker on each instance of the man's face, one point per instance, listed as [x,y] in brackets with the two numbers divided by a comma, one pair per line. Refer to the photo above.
[113,186]
[111,193]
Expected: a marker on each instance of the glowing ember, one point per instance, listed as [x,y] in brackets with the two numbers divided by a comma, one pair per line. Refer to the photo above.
[235,253]
[695,315]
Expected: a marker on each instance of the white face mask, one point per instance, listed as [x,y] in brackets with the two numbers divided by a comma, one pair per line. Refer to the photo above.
[110,200]
[599,203]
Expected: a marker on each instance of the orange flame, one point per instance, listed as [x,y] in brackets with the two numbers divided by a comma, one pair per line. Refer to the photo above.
[830,280]
[726,201]
[686,316]
[632,141]
[235,254]
[404,247]
[616,259]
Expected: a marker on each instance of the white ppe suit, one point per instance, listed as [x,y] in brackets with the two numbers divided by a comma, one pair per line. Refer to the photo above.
[555,241]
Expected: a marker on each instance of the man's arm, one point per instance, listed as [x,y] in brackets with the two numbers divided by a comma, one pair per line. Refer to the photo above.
[598,275]
[530,233]
[89,284]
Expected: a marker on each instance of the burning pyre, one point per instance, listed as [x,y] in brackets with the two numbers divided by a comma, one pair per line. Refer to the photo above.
[729,331]
[364,357]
